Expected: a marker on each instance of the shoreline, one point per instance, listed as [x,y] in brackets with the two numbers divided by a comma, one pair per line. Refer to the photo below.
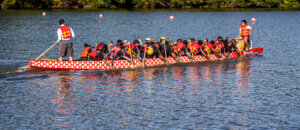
[162,9]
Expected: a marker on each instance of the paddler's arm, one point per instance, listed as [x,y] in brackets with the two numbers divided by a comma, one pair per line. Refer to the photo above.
[251,30]
[72,32]
[59,35]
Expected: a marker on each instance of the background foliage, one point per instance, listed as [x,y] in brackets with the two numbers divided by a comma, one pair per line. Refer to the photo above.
[46,4]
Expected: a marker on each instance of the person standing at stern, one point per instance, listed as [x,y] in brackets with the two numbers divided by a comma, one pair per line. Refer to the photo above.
[245,32]
[65,33]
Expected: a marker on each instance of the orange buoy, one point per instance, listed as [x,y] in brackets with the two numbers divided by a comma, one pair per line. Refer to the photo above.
[171,17]
[44,13]
[100,15]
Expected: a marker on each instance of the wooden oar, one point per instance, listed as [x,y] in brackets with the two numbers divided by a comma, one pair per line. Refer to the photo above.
[112,60]
[105,62]
[191,45]
[145,56]
[165,48]
[132,64]
[43,53]
[109,53]
[177,52]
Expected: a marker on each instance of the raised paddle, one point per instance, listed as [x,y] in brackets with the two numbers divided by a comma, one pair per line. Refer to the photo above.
[43,53]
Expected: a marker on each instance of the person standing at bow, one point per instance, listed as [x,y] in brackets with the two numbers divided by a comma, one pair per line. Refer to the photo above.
[245,33]
[65,33]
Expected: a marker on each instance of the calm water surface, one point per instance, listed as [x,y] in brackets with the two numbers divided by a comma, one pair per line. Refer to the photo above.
[260,92]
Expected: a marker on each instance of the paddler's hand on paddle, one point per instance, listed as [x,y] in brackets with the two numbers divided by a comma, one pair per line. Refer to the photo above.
[125,42]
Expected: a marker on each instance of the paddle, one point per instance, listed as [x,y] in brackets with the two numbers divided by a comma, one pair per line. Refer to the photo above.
[167,62]
[113,57]
[177,51]
[191,45]
[43,53]
[132,64]
[145,55]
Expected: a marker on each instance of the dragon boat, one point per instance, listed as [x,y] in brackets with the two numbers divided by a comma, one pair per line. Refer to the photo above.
[125,64]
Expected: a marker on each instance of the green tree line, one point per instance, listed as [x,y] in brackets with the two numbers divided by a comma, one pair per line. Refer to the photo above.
[128,4]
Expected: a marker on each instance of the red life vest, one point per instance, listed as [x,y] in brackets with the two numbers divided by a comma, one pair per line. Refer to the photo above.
[218,44]
[132,46]
[93,53]
[65,31]
[85,52]
[207,46]
[99,47]
[180,45]
[244,30]
[195,47]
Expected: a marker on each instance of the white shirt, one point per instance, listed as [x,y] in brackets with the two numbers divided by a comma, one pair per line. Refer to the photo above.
[59,34]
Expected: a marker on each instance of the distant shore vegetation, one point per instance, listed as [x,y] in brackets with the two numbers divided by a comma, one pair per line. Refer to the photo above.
[146,4]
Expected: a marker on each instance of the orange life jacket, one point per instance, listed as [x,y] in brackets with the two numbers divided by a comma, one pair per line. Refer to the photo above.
[93,53]
[85,52]
[244,30]
[66,31]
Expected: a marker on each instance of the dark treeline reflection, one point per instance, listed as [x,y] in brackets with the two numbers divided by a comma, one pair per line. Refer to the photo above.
[149,4]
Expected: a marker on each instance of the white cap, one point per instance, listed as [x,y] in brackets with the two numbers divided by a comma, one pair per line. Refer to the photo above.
[148,39]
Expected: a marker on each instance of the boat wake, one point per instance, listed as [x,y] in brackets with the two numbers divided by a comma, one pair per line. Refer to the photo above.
[12,67]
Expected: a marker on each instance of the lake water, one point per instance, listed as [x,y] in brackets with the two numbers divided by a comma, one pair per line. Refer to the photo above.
[261,92]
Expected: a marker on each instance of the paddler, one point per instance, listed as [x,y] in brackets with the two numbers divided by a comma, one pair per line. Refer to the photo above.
[153,51]
[219,47]
[101,51]
[134,49]
[194,47]
[165,46]
[116,52]
[179,47]
[207,48]
[245,32]
[148,42]
[65,33]
[85,52]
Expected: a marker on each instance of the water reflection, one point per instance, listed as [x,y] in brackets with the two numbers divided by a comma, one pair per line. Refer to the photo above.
[64,100]
[201,91]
